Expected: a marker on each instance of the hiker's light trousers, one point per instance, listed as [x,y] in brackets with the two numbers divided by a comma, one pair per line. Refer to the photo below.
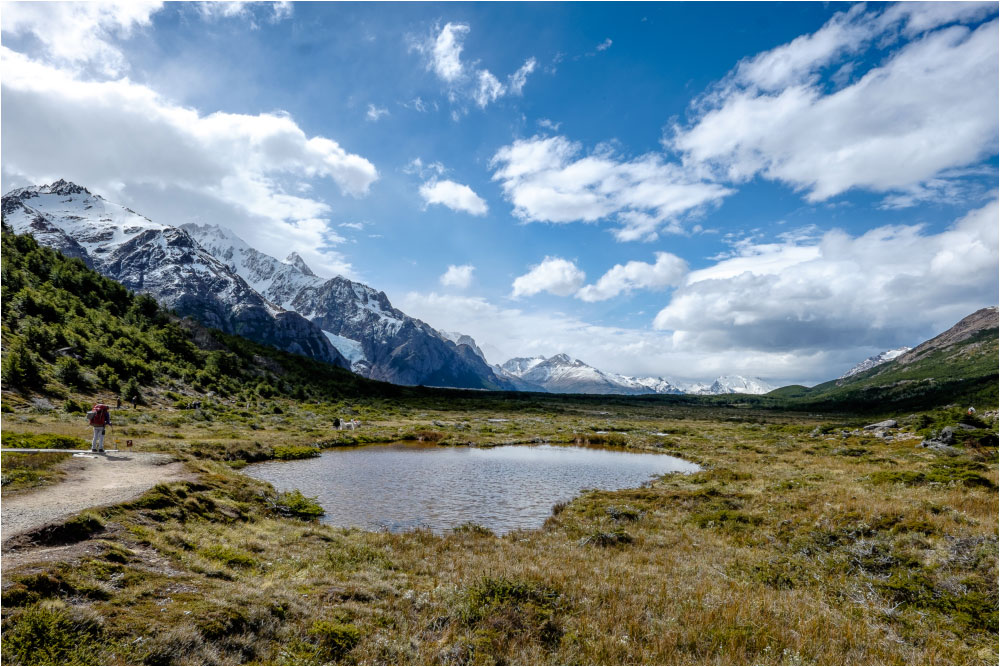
[97,444]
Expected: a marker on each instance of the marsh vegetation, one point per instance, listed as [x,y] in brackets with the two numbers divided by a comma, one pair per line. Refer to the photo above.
[803,540]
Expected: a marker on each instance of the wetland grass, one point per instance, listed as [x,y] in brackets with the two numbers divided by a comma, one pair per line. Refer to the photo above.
[782,550]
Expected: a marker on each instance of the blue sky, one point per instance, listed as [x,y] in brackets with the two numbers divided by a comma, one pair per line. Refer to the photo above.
[677,189]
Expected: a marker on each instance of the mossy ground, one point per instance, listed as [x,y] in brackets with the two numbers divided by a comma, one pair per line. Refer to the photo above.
[794,545]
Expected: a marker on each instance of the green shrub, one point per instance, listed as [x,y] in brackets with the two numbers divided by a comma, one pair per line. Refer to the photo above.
[335,640]
[291,452]
[48,633]
[229,556]
[42,441]
[295,504]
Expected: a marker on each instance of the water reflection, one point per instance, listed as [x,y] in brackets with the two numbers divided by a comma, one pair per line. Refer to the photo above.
[402,486]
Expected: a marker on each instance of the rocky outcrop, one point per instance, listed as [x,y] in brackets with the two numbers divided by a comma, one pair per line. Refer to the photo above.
[985,319]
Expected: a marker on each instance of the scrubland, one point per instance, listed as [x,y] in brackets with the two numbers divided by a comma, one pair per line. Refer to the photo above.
[803,540]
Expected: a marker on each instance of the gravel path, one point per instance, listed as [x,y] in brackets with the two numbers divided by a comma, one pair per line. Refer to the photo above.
[91,481]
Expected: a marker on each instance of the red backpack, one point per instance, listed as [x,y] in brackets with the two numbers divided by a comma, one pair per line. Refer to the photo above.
[98,416]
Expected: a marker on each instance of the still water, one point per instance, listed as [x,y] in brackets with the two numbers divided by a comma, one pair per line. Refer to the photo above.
[413,485]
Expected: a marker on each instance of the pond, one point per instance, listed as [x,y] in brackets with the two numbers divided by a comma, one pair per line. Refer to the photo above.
[402,486]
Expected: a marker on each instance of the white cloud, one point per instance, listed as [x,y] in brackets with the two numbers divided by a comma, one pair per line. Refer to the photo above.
[488,88]
[505,332]
[458,276]
[516,81]
[605,45]
[454,195]
[547,180]
[668,271]
[554,275]
[791,312]
[374,113]
[127,142]
[549,124]
[884,288]
[80,33]
[446,53]
[357,226]
[930,106]
[466,82]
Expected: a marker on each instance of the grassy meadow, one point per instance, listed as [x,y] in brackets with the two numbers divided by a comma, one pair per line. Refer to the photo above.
[803,540]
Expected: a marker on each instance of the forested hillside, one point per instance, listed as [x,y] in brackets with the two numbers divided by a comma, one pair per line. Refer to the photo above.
[68,330]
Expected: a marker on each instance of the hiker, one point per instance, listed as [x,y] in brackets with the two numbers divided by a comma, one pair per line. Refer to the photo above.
[118,403]
[336,423]
[135,400]
[99,417]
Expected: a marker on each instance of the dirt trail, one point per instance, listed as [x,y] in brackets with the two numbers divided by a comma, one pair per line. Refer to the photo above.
[91,481]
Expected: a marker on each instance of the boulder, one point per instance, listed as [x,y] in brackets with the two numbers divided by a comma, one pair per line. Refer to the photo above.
[888,423]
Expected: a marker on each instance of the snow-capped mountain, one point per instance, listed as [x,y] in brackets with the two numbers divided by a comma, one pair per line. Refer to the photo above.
[733,384]
[160,260]
[877,360]
[381,342]
[562,374]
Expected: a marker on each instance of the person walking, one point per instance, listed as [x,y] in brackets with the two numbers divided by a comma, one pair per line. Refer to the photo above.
[100,418]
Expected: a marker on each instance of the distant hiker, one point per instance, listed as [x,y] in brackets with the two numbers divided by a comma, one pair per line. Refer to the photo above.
[336,423]
[118,403]
[99,417]
[135,400]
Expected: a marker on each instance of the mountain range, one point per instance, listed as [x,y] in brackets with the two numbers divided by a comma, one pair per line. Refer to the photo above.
[210,274]
[562,374]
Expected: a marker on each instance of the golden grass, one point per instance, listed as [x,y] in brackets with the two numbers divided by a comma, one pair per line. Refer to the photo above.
[781,551]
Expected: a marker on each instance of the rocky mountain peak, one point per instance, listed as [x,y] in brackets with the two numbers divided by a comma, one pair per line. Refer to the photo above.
[981,320]
[294,259]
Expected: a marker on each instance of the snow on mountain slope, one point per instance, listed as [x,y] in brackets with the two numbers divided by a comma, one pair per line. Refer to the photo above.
[561,374]
[738,384]
[877,360]
[160,260]
[393,346]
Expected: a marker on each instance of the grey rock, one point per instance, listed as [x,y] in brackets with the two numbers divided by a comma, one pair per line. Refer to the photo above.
[888,423]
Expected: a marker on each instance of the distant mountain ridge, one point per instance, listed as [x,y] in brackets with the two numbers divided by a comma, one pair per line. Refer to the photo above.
[877,360]
[562,374]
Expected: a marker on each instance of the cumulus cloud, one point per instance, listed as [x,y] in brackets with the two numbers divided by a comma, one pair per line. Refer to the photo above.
[929,106]
[890,286]
[446,52]
[443,54]
[505,332]
[125,140]
[554,275]
[458,276]
[454,195]
[79,34]
[547,179]
[668,271]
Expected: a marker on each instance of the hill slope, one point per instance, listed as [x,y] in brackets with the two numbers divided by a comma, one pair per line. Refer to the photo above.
[67,329]
[957,366]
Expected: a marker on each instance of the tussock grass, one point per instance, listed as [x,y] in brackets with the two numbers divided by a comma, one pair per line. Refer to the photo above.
[782,550]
